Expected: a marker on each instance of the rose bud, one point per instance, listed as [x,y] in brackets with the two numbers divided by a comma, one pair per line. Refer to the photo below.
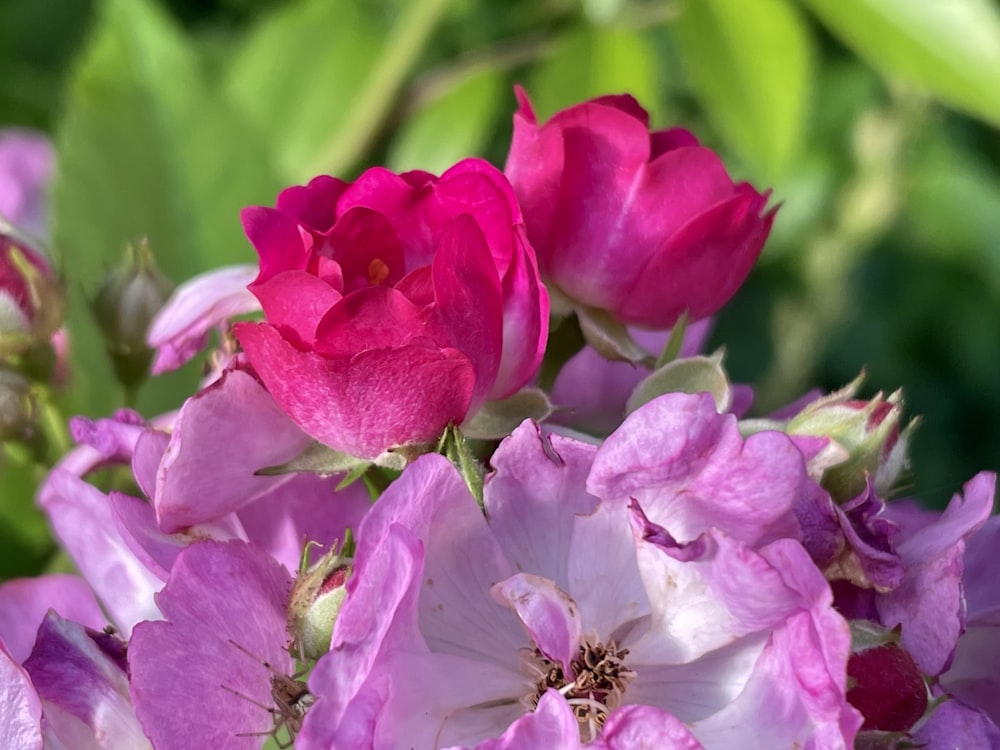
[640,225]
[869,433]
[125,305]
[18,407]
[884,682]
[31,297]
[315,602]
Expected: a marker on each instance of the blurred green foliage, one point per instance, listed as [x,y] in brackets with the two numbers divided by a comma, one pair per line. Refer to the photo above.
[875,122]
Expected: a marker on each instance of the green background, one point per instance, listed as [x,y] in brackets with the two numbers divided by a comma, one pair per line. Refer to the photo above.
[873,121]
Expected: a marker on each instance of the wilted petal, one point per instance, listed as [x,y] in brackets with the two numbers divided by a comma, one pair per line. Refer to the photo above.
[72,669]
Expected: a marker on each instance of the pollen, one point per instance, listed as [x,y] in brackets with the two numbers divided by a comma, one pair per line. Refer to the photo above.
[378,271]
[594,688]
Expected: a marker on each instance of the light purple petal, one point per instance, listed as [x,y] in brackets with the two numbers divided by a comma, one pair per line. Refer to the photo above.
[222,436]
[979,577]
[306,507]
[547,613]
[956,725]
[82,520]
[197,679]
[551,725]
[463,560]
[929,603]
[690,470]
[24,602]
[207,301]
[645,728]
[27,164]
[380,612]
[533,496]
[20,709]
[155,549]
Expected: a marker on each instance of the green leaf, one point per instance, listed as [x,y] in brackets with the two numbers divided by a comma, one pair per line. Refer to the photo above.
[319,77]
[590,61]
[699,374]
[146,148]
[497,419]
[751,65]
[454,124]
[950,48]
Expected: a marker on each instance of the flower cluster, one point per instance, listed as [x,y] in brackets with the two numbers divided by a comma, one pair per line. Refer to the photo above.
[395,515]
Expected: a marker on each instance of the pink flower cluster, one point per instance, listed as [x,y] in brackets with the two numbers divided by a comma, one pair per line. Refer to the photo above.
[309,552]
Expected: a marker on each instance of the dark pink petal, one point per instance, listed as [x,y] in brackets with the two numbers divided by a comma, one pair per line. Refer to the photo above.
[195,679]
[369,403]
[606,237]
[82,673]
[295,302]
[662,141]
[278,240]
[525,321]
[24,602]
[367,249]
[469,307]
[701,266]
[313,205]
[222,436]
[20,709]
[372,318]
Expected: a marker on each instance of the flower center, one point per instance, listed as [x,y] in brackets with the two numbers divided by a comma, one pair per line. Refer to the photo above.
[593,689]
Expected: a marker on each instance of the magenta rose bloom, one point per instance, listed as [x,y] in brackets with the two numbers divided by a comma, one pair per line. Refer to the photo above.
[642,224]
[395,305]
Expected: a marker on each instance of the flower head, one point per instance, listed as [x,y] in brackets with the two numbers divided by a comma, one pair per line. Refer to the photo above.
[642,224]
[395,305]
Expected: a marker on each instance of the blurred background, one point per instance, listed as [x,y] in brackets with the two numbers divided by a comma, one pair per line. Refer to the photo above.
[873,121]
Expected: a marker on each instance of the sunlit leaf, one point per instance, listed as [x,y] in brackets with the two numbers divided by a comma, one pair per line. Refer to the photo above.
[950,48]
[750,64]
[318,78]
[452,125]
[146,149]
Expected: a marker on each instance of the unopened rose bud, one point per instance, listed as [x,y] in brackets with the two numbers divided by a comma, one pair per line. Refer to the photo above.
[869,432]
[128,299]
[317,596]
[18,408]
[31,297]
[885,683]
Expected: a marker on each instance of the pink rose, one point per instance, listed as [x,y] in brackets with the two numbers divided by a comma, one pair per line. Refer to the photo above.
[395,305]
[642,224]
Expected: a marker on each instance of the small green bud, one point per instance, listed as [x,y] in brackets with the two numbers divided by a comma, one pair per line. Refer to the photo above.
[867,431]
[124,306]
[18,407]
[31,296]
[315,601]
